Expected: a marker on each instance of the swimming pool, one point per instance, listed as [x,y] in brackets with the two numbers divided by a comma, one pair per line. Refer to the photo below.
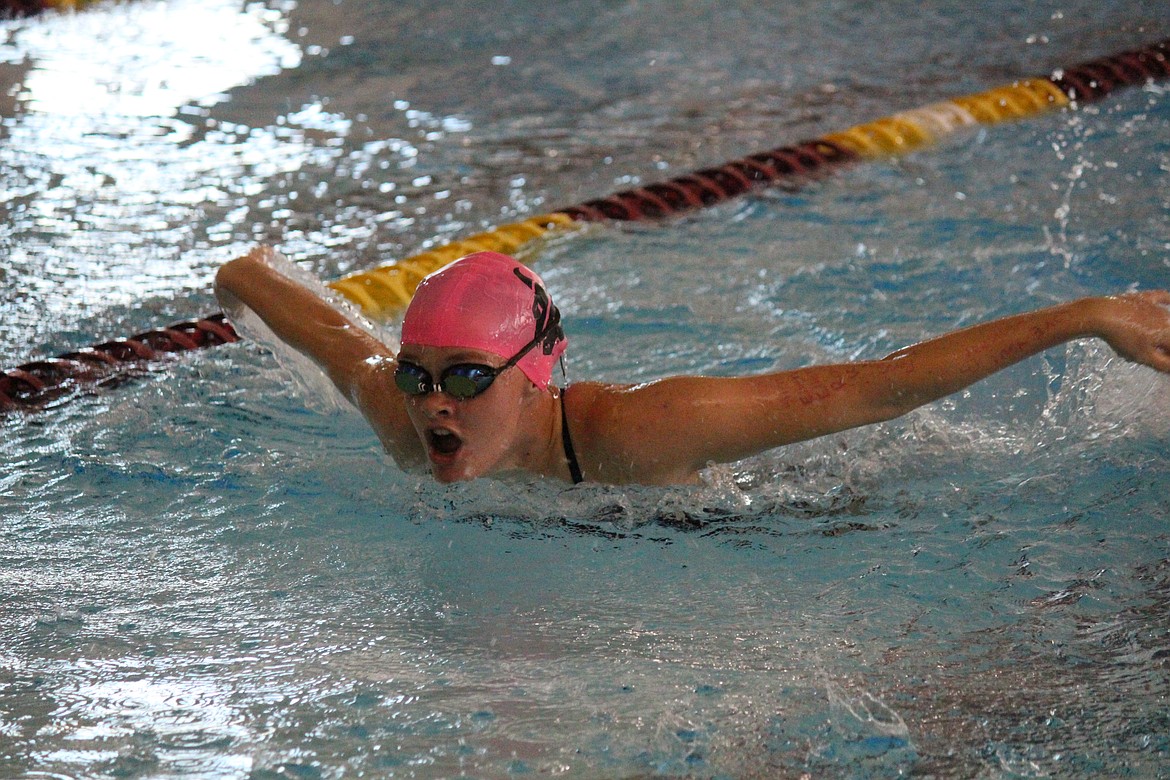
[211,572]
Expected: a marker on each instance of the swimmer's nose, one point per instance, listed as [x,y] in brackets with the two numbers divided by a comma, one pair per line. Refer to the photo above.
[437,404]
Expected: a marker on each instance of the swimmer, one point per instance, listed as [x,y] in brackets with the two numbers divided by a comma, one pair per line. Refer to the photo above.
[470,394]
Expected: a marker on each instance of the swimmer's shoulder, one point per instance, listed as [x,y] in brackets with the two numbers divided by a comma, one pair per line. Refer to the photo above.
[589,404]
[381,403]
[588,413]
[616,437]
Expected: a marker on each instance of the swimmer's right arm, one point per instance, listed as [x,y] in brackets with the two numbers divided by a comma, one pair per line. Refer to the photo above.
[299,317]
[359,365]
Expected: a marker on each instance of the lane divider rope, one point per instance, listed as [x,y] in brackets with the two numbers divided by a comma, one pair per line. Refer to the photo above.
[382,292]
[40,381]
[12,8]
[385,290]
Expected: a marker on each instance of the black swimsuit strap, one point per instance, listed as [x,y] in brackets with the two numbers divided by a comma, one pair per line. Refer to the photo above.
[567,441]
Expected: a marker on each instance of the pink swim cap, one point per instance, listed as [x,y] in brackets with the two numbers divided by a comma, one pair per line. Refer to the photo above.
[491,302]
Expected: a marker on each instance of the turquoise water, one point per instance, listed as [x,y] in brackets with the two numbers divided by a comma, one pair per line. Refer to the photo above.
[212,572]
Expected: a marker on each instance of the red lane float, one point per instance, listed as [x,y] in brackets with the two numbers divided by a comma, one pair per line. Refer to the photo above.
[38,382]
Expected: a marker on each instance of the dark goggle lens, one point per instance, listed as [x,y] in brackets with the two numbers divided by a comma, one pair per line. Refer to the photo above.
[467,381]
[412,379]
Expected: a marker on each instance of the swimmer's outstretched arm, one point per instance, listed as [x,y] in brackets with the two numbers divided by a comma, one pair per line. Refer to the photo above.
[359,365]
[665,431]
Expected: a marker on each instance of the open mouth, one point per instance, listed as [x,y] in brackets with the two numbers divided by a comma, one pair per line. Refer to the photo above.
[444,442]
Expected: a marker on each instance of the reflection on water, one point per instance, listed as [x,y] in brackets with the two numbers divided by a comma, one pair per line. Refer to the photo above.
[105,173]
[209,573]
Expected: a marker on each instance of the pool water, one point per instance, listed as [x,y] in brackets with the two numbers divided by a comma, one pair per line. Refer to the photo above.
[212,571]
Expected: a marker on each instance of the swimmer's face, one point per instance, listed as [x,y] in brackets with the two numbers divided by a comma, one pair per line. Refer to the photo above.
[472,437]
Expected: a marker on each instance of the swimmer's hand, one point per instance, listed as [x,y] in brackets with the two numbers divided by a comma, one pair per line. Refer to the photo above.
[1137,326]
[243,278]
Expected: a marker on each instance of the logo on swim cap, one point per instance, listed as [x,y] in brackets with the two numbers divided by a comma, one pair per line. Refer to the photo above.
[546,316]
[490,302]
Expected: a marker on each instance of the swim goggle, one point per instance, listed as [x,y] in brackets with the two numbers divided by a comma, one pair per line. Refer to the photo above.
[467,380]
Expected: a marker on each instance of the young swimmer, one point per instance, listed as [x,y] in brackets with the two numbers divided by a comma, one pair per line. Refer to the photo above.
[469,393]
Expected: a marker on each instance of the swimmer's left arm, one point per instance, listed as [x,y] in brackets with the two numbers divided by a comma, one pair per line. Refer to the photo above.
[685,423]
